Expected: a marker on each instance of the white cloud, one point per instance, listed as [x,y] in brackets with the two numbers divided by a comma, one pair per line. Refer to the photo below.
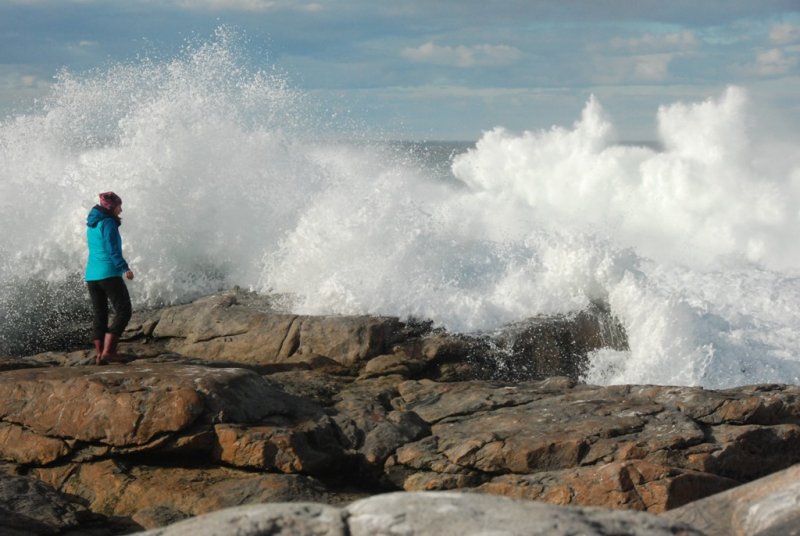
[784,33]
[644,58]
[462,56]
[774,62]
[649,41]
[615,70]
[651,67]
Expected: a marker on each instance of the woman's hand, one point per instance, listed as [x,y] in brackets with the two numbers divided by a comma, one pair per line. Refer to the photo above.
[129,275]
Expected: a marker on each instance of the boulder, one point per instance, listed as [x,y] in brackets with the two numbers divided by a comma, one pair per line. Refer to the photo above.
[769,506]
[557,345]
[219,327]
[309,446]
[532,349]
[399,363]
[436,514]
[424,514]
[301,519]
[347,340]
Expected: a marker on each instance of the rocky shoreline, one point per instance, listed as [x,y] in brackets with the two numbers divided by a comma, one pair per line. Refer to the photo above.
[227,402]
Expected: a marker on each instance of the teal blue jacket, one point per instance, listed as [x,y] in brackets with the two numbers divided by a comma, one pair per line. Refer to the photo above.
[105,246]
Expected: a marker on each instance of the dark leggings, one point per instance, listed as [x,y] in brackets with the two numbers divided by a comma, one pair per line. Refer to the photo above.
[112,289]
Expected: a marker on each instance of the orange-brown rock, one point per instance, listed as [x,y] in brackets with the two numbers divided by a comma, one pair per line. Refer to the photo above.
[113,405]
[23,446]
[288,447]
[119,489]
[631,446]
[635,485]
[123,409]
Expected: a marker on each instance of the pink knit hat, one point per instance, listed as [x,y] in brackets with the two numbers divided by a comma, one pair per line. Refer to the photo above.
[110,200]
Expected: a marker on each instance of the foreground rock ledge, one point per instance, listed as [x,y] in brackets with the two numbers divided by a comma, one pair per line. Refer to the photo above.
[424,514]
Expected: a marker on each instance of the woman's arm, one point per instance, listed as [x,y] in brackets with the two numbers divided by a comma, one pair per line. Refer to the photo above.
[113,242]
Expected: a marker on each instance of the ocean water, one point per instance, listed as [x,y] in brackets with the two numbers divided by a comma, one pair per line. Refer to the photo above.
[230,176]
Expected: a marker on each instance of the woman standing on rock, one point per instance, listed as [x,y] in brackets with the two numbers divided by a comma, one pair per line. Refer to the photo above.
[104,271]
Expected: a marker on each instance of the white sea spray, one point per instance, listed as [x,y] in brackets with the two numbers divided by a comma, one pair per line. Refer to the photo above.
[230,176]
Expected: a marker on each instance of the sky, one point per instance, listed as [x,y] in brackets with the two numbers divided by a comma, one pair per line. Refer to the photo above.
[438,69]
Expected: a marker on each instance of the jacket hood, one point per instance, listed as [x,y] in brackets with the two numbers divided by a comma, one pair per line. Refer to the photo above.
[98,214]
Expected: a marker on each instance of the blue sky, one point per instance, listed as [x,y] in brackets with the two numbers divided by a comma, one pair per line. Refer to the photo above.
[443,69]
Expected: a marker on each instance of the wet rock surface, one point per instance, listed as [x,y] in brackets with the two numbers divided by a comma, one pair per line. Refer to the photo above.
[225,403]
